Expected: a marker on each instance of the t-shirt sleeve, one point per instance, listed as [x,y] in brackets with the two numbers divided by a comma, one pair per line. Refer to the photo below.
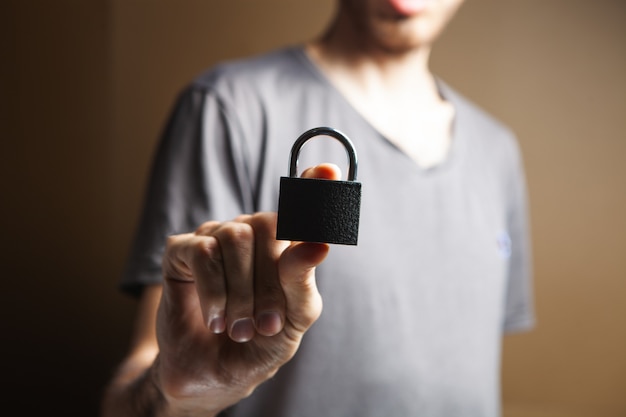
[519,308]
[196,176]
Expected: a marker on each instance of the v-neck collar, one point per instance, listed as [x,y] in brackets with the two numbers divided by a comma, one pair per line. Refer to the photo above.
[456,140]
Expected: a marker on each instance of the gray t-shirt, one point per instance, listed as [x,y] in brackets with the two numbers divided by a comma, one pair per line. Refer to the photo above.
[413,316]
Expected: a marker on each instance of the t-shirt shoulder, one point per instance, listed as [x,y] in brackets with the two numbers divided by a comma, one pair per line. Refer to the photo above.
[249,72]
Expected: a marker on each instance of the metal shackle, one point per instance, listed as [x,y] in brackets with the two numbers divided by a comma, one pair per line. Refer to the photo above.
[323,131]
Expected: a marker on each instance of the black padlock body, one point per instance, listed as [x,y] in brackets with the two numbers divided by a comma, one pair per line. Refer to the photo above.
[319,210]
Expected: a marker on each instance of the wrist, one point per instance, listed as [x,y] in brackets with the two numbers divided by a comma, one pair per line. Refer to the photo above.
[166,405]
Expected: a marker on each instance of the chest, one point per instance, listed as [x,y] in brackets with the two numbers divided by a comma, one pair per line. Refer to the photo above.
[421,130]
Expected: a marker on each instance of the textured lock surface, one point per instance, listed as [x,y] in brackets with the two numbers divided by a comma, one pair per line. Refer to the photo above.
[318,210]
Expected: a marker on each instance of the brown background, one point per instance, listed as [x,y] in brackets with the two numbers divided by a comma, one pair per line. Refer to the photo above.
[85,86]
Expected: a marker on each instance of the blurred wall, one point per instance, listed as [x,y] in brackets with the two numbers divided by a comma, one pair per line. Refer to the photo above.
[62,320]
[86,85]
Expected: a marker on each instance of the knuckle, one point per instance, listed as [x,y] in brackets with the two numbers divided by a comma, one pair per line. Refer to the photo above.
[243,218]
[172,241]
[236,234]
[175,244]
[206,248]
[264,223]
[207,227]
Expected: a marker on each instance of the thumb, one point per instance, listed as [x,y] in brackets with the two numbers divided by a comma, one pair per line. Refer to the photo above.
[296,268]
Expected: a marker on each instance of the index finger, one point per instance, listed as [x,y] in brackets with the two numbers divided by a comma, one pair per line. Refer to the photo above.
[325,171]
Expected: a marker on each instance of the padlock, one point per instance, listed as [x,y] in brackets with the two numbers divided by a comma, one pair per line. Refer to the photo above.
[319,210]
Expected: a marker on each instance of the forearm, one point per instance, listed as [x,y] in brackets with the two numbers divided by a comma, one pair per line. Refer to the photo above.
[135,392]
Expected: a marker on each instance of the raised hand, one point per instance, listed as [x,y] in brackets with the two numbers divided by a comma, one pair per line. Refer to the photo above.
[236,303]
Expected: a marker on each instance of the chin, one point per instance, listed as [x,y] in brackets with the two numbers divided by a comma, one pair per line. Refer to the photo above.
[406,32]
[404,37]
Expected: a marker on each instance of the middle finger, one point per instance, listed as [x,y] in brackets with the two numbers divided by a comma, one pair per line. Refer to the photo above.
[236,241]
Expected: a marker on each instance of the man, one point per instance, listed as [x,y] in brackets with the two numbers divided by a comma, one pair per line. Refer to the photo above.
[413,315]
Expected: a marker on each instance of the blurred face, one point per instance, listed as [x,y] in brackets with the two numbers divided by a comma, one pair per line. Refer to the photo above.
[398,25]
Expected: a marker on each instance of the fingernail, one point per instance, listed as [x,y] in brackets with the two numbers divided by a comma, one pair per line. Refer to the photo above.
[217,324]
[269,323]
[242,330]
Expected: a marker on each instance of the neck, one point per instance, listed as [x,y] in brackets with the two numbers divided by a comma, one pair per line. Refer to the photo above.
[346,52]
[381,68]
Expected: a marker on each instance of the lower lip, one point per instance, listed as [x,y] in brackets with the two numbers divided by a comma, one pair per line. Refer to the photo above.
[409,7]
